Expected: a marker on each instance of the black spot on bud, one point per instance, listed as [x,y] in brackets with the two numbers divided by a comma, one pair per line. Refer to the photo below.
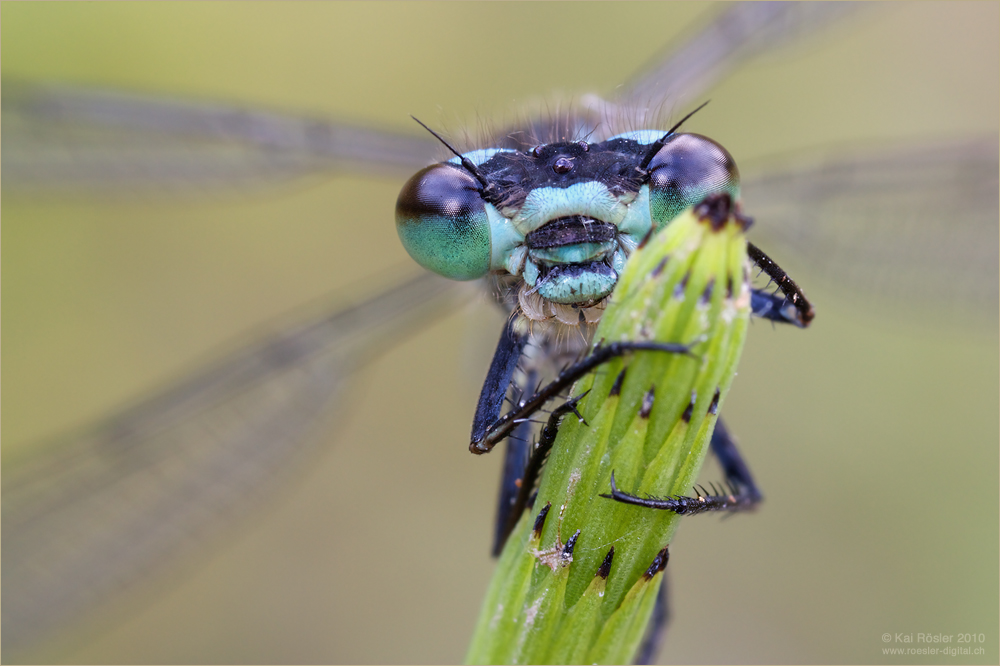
[540,520]
[686,416]
[681,286]
[659,563]
[645,239]
[713,408]
[570,545]
[706,295]
[715,209]
[660,266]
[605,567]
[647,403]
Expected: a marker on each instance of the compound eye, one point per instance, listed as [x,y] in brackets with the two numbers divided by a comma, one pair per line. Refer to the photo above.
[686,170]
[441,220]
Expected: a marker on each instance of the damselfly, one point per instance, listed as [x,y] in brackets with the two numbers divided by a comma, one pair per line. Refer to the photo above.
[835,405]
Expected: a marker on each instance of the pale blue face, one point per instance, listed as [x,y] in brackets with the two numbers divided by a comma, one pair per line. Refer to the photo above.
[563,217]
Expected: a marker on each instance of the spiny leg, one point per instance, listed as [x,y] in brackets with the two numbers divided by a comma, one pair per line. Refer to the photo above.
[743,495]
[803,312]
[503,426]
[519,479]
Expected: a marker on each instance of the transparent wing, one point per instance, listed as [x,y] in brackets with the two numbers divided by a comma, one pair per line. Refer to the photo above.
[73,140]
[903,225]
[906,224]
[686,71]
[89,515]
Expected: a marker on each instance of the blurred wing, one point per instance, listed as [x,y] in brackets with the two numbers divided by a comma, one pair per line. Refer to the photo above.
[686,71]
[904,224]
[69,140]
[73,140]
[87,516]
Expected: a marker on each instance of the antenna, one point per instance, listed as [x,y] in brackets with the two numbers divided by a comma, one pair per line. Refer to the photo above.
[466,162]
[659,143]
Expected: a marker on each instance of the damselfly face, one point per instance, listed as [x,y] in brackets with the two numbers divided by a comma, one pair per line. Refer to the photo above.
[552,226]
[861,432]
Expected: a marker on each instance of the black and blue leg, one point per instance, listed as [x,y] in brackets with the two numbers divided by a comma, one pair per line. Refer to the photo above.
[500,381]
[791,306]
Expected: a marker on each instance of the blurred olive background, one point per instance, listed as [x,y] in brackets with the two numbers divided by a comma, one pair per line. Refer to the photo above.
[875,438]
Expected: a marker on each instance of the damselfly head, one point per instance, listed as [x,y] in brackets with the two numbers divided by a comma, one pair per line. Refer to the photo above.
[552,224]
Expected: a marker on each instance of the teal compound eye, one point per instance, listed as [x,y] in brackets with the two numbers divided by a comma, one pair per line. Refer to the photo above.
[688,168]
[442,222]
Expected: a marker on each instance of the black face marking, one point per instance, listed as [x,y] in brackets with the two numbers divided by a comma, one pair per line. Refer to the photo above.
[514,174]
[570,230]
[659,564]
[605,567]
